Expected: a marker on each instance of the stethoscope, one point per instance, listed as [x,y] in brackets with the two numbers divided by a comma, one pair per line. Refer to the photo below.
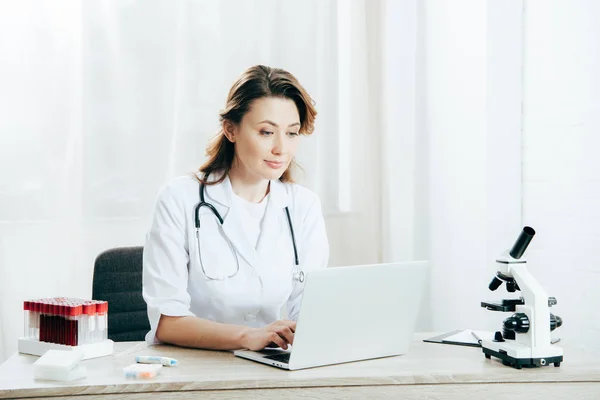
[297,274]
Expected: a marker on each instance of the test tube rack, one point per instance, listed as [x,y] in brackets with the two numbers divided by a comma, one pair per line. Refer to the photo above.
[63,323]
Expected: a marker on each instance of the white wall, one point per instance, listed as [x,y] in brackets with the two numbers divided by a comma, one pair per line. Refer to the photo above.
[561,167]
[102,102]
[510,115]
[470,127]
[40,112]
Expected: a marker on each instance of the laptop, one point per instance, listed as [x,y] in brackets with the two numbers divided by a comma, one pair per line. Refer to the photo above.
[351,314]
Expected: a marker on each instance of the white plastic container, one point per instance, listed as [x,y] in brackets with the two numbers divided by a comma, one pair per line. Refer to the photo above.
[90,350]
[59,365]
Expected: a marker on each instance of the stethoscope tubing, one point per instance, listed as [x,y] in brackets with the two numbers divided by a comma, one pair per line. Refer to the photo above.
[216,213]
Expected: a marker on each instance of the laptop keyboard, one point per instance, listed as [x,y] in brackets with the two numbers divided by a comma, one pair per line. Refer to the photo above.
[283,357]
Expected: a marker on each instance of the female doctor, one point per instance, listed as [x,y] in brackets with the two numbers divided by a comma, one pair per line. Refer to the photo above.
[228,246]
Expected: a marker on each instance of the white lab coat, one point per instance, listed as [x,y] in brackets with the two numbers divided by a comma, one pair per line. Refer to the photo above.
[173,282]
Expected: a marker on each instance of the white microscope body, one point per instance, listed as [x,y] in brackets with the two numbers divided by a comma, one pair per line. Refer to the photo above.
[525,340]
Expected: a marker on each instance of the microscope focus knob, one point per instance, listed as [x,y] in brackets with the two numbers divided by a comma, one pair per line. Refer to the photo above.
[518,323]
[555,321]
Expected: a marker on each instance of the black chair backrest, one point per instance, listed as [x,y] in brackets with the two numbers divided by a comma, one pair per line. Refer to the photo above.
[118,280]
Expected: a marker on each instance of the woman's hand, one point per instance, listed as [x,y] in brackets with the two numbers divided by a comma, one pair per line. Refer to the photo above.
[279,332]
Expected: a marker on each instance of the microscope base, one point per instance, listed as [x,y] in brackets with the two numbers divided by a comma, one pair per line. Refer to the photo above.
[519,363]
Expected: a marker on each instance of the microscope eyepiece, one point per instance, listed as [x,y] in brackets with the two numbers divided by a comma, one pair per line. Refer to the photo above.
[522,242]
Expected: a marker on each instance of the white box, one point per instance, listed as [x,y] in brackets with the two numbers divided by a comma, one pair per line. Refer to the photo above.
[59,365]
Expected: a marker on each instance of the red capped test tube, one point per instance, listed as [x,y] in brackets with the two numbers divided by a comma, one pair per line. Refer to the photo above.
[26,312]
[74,317]
[43,318]
[62,323]
[52,321]
[35,310]
[89,321]
[102,320]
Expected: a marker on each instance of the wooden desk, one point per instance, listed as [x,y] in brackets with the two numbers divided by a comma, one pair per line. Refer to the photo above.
[427,371]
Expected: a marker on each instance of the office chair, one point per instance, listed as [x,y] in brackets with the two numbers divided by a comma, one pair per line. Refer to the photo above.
[118,280]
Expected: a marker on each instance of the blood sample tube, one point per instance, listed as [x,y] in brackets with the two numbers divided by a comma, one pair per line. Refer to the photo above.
[55,317]
[62,311]
[74,318]
[83,327]
[52,322]
[43,312]
[36,319]
[26,311]
[92,322]
[102,320]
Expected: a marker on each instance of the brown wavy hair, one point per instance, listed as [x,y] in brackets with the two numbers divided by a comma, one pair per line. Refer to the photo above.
[255,83]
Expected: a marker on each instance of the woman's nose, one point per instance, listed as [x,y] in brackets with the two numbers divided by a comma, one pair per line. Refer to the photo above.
[278,144]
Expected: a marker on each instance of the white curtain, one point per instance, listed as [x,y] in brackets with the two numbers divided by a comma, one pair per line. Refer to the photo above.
[103,102]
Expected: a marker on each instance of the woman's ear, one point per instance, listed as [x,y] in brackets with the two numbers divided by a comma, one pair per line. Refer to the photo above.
[229,129]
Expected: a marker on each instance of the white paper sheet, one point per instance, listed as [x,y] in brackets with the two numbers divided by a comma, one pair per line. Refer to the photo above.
[466,336]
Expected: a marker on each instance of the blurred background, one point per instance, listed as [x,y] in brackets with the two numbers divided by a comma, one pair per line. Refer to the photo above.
[443,128]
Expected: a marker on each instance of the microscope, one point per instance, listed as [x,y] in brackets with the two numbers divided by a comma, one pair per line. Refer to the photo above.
[525,338]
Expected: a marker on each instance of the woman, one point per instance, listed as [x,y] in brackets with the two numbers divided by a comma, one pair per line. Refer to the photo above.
[218,272]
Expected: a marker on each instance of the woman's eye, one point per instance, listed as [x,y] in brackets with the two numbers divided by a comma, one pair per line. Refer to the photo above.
[293,133]
[266,133]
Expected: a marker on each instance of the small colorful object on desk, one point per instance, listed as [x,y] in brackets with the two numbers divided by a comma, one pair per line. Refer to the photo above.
[164,361]
[142,371]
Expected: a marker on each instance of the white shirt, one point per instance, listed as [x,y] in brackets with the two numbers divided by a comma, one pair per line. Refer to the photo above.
[253,213]
[174,283]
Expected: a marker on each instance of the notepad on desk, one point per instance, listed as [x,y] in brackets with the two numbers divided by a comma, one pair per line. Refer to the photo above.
[464,337]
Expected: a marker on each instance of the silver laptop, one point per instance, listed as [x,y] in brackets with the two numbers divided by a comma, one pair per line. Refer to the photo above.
[352,313]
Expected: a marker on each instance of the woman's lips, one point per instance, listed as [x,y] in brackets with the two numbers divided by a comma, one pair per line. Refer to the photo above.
[275,164]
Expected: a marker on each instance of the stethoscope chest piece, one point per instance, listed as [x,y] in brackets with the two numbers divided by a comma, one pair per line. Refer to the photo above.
[298,276]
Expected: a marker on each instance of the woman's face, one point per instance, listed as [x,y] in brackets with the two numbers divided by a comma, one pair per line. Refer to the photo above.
[267,138]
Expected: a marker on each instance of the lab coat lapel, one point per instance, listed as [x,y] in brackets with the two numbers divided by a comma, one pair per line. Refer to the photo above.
[219,193]
[274,220]
[233,229]
[222,194]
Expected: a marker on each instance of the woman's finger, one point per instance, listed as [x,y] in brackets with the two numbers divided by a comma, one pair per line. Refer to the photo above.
[288,323]
[286,333]
[275,338]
